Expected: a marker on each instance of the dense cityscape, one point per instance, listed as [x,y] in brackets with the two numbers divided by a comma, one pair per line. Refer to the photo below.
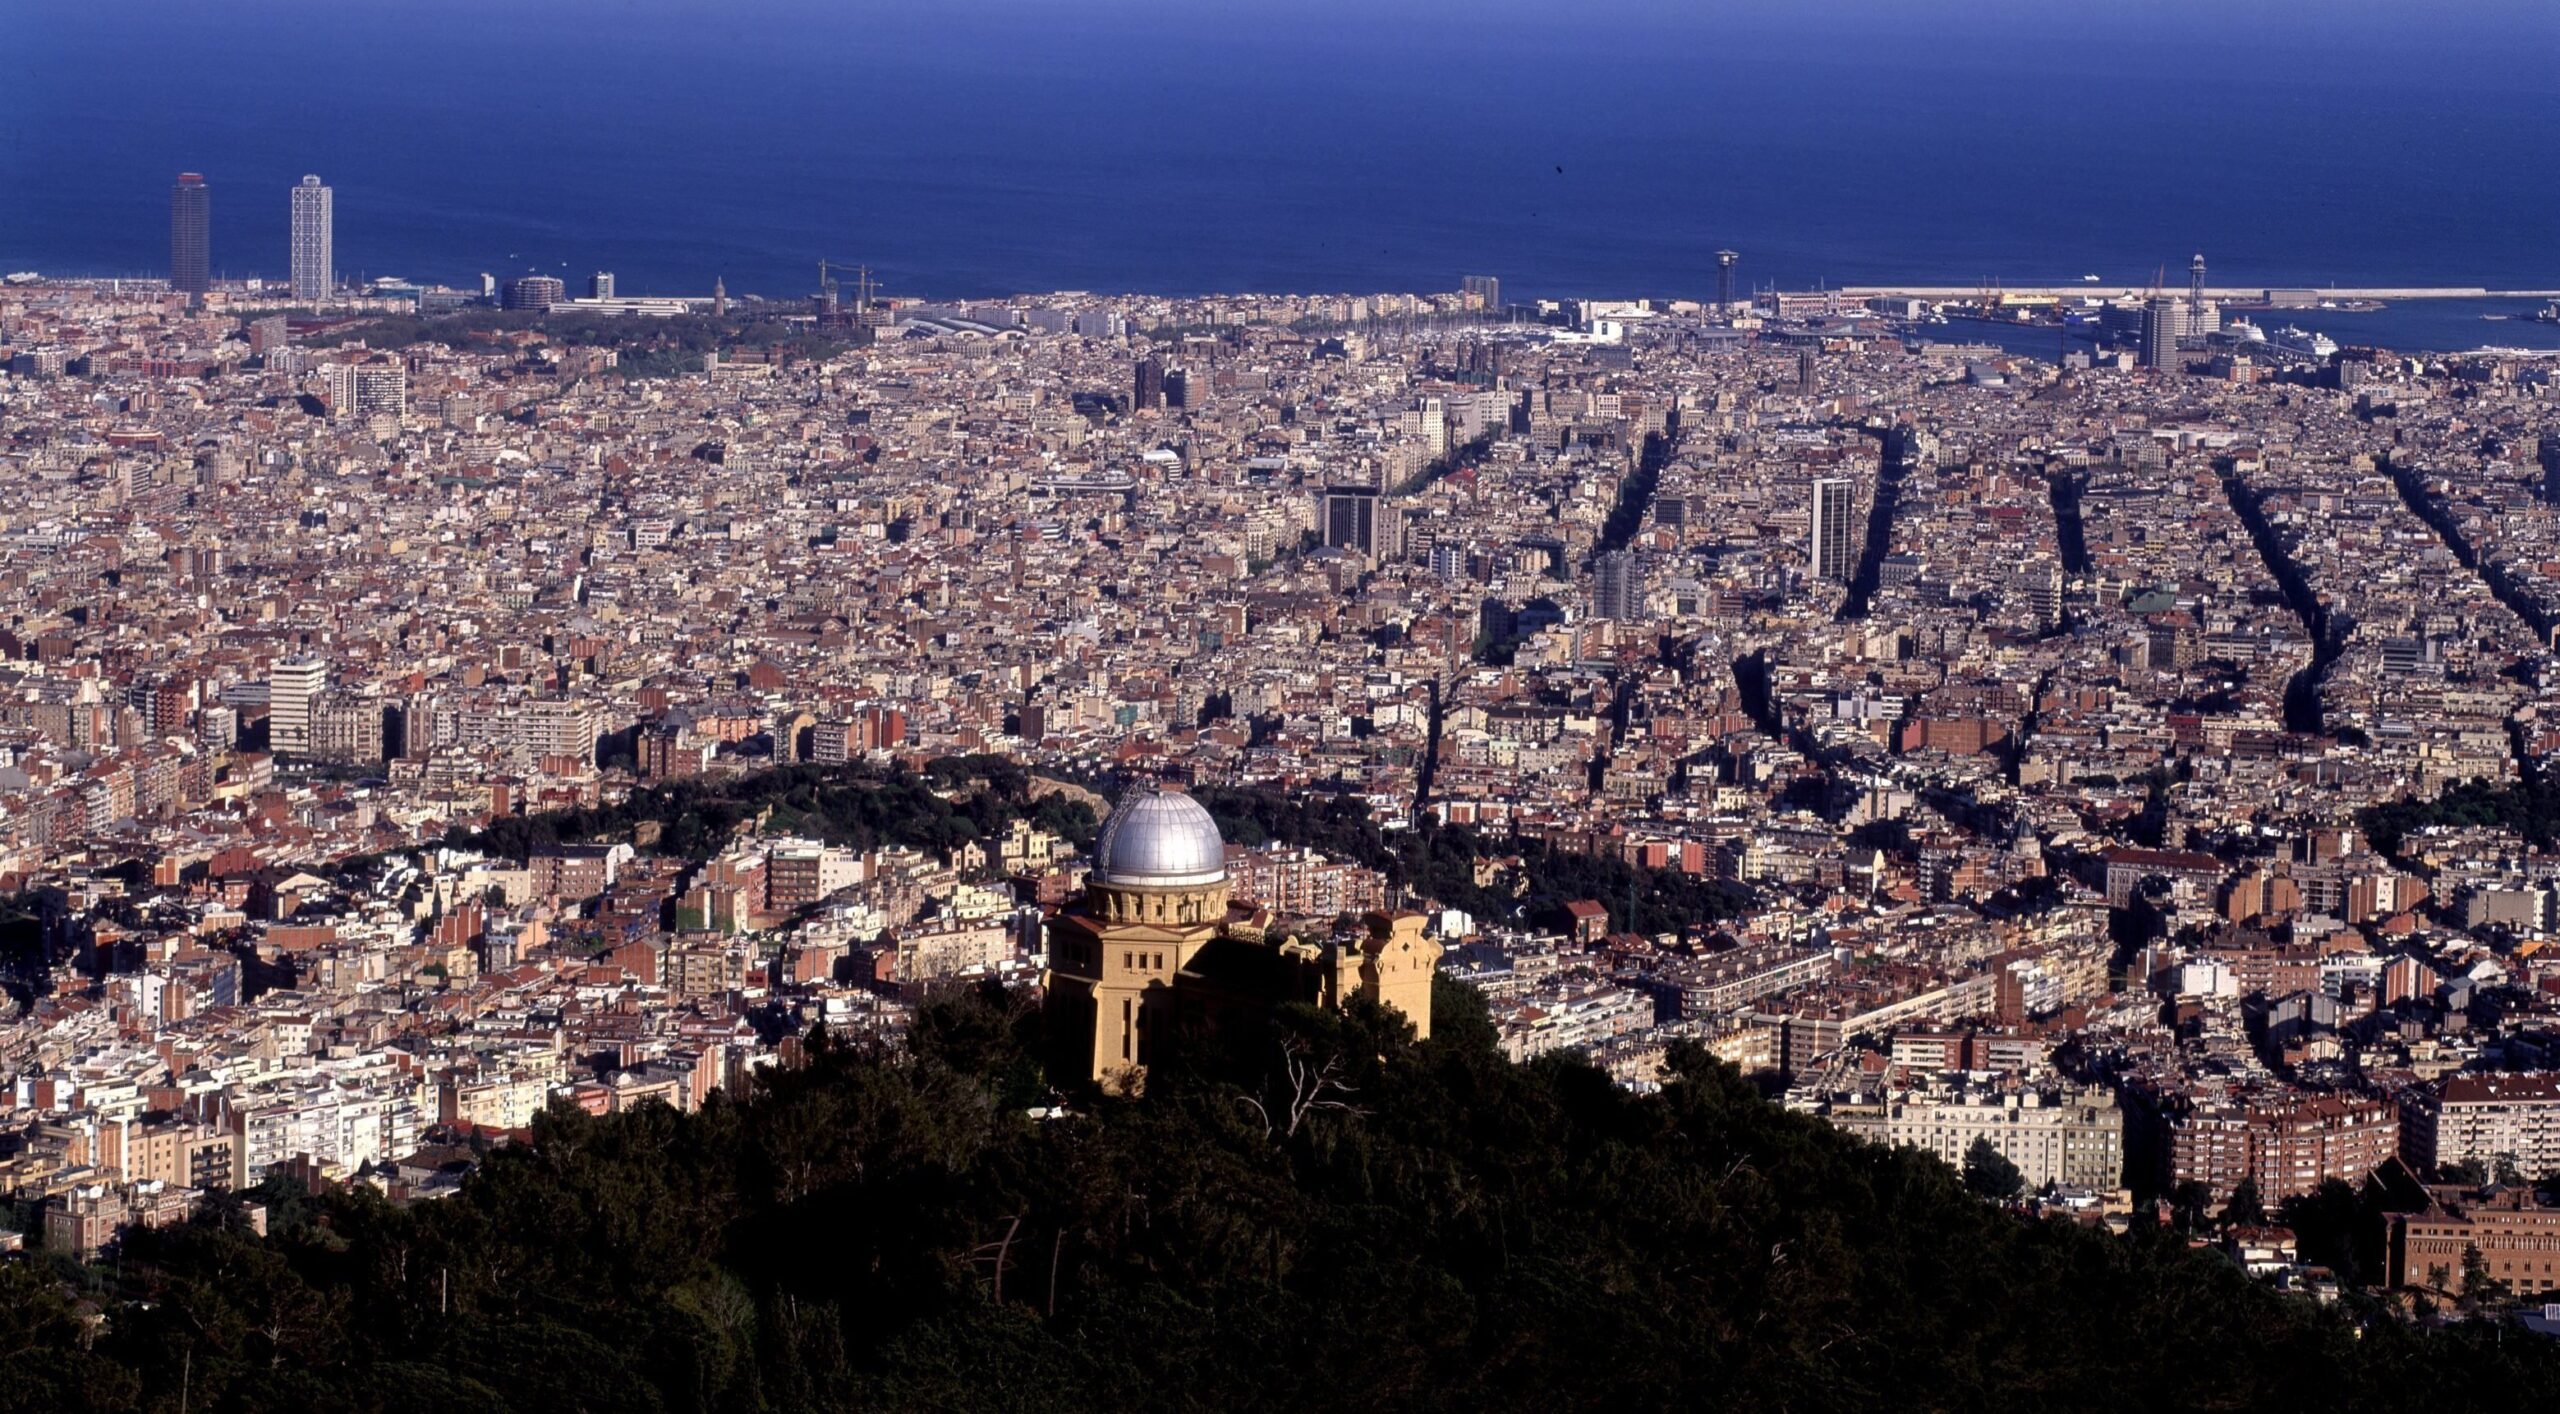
[428,710]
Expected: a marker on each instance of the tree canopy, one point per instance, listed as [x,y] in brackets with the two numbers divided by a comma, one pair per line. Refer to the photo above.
[1988,1172]
[1439,861]
[851,805]
[890,1228]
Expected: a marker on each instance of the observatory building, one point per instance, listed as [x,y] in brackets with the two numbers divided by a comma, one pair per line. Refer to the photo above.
[1155,950]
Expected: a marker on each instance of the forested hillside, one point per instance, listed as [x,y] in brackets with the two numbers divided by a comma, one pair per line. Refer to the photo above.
[1405,1226]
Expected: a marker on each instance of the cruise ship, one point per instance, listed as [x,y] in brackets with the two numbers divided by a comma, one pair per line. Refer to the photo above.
[2295,340]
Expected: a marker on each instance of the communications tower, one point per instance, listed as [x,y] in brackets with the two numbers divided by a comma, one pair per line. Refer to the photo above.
[2195,298]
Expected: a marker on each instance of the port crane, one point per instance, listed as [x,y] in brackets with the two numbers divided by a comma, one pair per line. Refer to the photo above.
[827,286]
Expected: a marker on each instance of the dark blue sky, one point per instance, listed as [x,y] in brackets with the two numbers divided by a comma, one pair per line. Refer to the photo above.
[978,147]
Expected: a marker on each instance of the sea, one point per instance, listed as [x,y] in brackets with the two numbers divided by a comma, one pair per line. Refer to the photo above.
[1605,148]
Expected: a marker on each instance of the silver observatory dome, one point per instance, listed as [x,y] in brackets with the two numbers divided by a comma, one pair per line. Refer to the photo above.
[1160,838]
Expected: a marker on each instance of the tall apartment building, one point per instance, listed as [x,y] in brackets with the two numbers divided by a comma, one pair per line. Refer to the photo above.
[941,947]
[504,1098]
[576,871]
[381,388]
[1713,985]
[315,275]
[363,389]
[190,235]
[2076,1140]
[1484,291]
[836,740]
[1833,546]
[560,729]
[180,1153]
[535,293]
[2502,1122]
[270,335]
[1300,883]
[1354,519]
[337,1128]
[2289,1143]
[1618,588]
[1448,560]
[801,872]
[344,728]
[293,685]
[707,969]
[1427,421]
[670,752]
[164,702]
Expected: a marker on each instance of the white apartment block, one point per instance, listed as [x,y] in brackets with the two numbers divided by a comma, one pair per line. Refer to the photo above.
[2073,1140]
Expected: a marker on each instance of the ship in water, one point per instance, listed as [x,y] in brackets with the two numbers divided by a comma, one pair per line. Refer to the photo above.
[2302,343]
[2548,314]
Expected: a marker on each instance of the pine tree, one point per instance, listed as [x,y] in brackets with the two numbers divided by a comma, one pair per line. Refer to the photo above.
[1989,1173]
[2246,1208]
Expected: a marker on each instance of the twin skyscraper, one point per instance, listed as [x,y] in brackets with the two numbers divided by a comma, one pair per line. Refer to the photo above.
[315,276]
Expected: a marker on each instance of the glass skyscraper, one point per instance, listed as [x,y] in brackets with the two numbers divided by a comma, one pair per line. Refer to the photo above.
[190,235]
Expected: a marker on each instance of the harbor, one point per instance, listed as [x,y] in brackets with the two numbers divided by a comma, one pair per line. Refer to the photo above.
[2433,324]
[2278,297]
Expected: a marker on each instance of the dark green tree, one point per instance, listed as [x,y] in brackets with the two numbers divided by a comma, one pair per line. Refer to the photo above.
[2190,1201]
[2480,1286]
[2245,1208]
[2341,1228]
[1989,1173]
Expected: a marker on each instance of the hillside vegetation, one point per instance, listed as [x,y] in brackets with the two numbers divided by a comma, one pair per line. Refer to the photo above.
[1407,1226]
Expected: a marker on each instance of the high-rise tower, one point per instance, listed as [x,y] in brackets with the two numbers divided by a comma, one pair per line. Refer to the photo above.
[190,235]
[2196,327]
[1833,540]
[315,275]
[1353,520]
[2162,323]
[1724,278]
[1618,587]
[292,686]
